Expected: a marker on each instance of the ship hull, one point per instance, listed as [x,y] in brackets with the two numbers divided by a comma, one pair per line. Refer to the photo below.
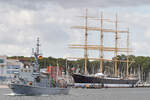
[106,82]
[30,90]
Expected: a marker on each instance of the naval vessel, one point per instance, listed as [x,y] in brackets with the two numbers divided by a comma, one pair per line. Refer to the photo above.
[30,81]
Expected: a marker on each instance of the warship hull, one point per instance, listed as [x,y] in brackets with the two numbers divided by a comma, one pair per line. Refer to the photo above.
[30,90]
[106,82]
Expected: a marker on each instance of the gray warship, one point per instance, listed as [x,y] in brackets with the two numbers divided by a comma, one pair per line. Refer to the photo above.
[30,81]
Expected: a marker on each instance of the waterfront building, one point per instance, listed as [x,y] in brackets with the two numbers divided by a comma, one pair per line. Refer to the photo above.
[8,68]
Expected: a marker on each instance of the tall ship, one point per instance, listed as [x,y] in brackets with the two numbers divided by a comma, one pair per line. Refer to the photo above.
[30,81]
[115,80]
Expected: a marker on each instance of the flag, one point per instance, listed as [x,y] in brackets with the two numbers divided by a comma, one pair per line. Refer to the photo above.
[40,57]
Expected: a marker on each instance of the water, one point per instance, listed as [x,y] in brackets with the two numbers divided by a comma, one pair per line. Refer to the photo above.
[86,94]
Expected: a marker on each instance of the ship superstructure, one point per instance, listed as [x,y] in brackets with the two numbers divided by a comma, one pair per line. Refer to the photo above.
[101,30]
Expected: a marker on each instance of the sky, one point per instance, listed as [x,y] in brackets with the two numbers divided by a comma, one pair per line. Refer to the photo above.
[22,21]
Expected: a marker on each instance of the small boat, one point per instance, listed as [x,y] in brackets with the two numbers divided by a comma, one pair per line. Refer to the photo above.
[30,81]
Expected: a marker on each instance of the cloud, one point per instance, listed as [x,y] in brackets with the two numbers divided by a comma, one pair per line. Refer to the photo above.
[25,4]
[19,29]
[22,21]
[101,3]
[142,48]
[40,4]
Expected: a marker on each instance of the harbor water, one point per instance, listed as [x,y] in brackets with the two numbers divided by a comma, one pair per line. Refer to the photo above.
[85,94]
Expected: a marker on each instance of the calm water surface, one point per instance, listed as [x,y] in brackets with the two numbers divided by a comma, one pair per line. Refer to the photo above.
[87,94]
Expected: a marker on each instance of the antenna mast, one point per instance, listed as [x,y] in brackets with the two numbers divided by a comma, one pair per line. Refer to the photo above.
[38,46]
[36,55]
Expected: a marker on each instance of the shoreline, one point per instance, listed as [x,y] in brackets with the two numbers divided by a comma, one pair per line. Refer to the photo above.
[4,86]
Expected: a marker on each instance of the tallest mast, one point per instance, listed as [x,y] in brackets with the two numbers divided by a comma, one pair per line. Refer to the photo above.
[101,44]
[36,56]
[85,49]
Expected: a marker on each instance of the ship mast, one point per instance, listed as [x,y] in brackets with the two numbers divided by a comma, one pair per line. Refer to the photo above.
[127,72]
[85,49]
[101,44]
[100,47]
[116,46]
[38,46]
[36,55]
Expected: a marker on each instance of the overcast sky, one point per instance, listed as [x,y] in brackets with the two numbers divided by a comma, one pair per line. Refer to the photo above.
[22,21]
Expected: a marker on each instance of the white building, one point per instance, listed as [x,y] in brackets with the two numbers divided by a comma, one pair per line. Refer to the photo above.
[8,67]
[3,64]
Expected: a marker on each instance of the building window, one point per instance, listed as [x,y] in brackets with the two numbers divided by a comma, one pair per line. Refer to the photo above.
[1,60]
[11,72]
[13,67]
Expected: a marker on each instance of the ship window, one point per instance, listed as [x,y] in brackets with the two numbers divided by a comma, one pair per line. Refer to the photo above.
[13,67]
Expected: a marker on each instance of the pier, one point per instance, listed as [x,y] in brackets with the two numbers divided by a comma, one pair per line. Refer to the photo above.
[87,85]
[99,86]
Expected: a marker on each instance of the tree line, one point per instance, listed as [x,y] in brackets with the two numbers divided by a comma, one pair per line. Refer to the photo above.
[138,64]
